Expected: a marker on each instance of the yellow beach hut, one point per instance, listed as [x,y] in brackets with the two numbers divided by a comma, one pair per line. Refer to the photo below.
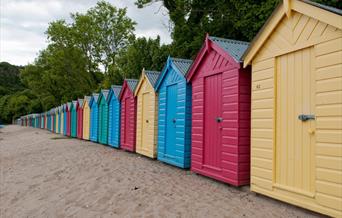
[147,114]
[86,117]
[296,117]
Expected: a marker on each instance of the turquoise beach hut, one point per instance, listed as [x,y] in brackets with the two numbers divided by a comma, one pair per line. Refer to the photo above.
[174,113]
[73,119]
[103,117]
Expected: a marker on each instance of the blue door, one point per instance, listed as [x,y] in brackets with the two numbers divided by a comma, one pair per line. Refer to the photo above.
[65,123]
[171,121]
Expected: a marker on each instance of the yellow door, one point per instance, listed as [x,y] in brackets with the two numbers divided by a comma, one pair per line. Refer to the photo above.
[62,122]
[145,132]
[86,117]
[295,122]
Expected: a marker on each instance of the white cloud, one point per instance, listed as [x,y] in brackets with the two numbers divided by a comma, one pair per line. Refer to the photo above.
[23,23]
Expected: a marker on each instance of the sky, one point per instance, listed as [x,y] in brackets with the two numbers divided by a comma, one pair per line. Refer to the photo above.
[23,23]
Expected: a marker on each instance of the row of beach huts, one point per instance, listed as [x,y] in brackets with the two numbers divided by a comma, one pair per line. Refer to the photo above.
[266,113]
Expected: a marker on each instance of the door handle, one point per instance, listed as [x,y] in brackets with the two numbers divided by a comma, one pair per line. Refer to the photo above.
[174,120]
[219,119]
[146,121]
[306,117]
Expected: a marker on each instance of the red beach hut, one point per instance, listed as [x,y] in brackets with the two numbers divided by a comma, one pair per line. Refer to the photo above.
[221,88]
[128,114]
[79,108]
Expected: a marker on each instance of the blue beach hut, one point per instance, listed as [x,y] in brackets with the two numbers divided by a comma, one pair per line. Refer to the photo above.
[59,119]
[174,113]
[114,116]
[94,117]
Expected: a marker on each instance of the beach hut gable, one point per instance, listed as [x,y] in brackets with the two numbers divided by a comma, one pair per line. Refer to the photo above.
[180,66]
[281,33]
[103,96]
[114,91]
[129,85]
[80,103]
[296,62]
[93,100]
[227,55]
[150,76]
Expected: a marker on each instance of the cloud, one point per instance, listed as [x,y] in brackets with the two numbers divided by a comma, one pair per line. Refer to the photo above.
[23,23]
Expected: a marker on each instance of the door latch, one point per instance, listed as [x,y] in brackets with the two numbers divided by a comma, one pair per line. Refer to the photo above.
[306,117]
[219,119]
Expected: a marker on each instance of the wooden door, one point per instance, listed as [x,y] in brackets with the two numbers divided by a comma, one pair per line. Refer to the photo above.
[127,115]
[212,121]
[145,121]
[171,121]
[295,135]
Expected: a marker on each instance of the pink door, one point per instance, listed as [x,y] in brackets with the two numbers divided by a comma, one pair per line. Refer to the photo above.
[212,121]
[127,126]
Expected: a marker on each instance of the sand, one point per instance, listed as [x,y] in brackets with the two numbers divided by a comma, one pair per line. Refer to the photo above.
[48,175]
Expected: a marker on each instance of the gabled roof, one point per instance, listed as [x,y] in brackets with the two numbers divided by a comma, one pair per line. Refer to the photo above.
[104,93]
[94,97]
[64,107]
[86,100]
[80,102]
[74,103]
[228,48]
[180,65]
[116,90]
[152,76]
[132,84]
[234,47]
[183,65]
[326,14]
[69,104]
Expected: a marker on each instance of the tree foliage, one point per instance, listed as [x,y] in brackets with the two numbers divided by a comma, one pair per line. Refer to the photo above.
[9,78]
[142,53]
[98,48]
[234,19]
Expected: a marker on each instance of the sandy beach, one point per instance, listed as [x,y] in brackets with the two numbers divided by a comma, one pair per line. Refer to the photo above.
[48,175]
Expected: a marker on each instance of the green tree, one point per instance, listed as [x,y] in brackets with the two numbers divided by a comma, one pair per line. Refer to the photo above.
[113,32]
[9,78]
[233,19]
[142,53]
